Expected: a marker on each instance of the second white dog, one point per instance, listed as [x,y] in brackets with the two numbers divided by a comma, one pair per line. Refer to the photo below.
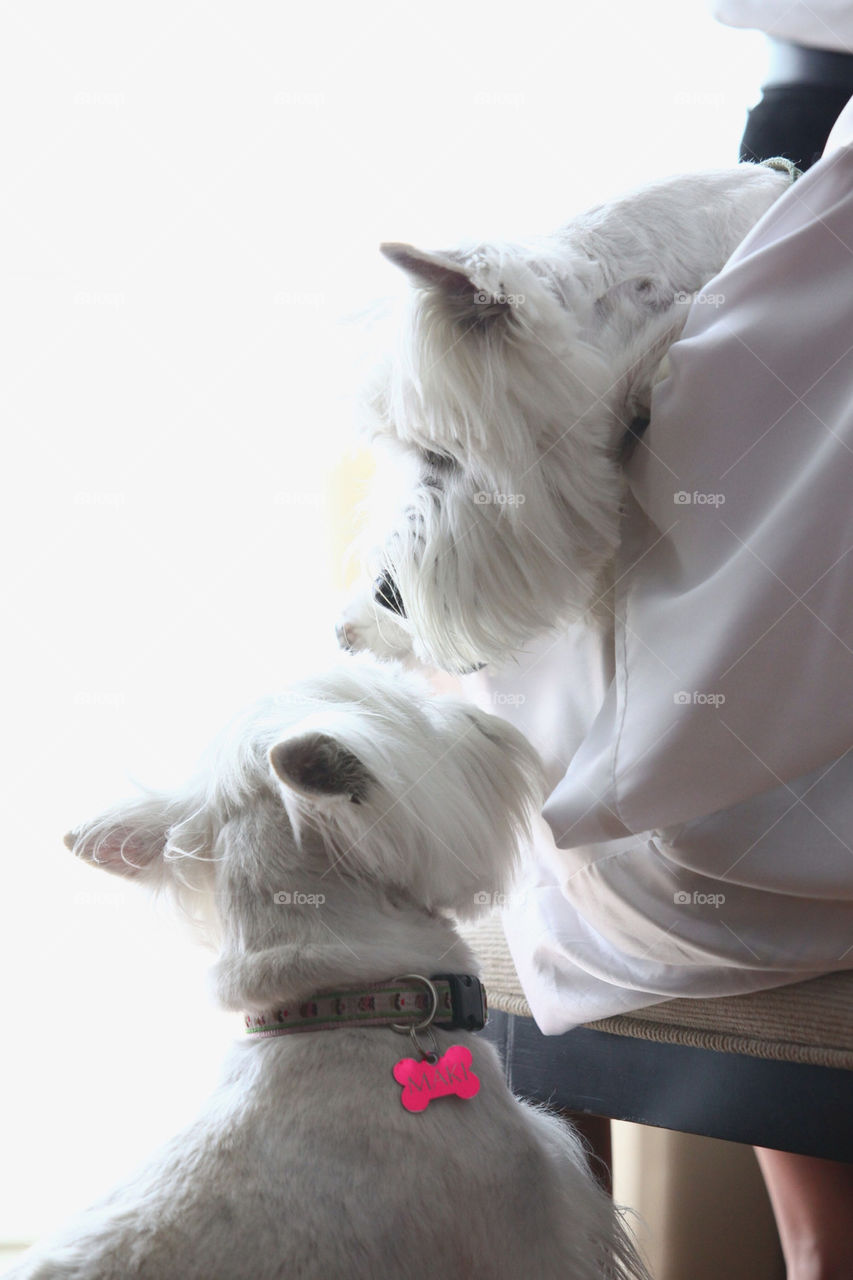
[517,375]
[328,838]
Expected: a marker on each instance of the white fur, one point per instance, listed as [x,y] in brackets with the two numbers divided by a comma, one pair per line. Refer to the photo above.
[518,371]
[363,626]
[397,807]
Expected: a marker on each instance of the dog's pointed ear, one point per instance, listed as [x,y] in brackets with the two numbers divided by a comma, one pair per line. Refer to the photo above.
[317,766]
[433,269]
[127,841]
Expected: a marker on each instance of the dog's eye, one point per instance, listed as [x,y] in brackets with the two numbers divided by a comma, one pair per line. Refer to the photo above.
[439,463]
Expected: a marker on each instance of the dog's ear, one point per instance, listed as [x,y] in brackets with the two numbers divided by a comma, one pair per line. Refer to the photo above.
[316,765]
[433,269]
[129,840]
[454,283]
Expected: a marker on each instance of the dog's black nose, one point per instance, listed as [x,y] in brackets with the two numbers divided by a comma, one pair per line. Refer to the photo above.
[386,593]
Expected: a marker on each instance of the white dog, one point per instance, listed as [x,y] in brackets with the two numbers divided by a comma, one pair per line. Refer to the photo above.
[519,372]
[332,832]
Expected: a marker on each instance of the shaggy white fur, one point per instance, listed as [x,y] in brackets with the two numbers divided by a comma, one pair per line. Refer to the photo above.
[379,809]
[518,372]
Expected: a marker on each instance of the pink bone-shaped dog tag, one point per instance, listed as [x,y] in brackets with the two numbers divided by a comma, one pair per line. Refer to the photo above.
[422,1081]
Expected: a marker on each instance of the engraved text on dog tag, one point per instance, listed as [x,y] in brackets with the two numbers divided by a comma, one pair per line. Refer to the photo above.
[422,1080]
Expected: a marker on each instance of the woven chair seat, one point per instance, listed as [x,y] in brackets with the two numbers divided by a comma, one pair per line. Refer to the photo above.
[809,1022]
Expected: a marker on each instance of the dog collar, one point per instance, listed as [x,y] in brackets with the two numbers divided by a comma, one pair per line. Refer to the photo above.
[404,1003]
[784,166]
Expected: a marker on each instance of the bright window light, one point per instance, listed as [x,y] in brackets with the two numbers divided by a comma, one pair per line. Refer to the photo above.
[193,196]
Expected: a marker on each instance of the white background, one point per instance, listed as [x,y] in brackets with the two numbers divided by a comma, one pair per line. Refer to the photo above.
[191,199]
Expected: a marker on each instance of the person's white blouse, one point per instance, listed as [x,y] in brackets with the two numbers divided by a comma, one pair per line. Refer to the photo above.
[701,822]
[820,24]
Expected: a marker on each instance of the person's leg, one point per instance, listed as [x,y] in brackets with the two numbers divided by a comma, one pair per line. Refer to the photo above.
[813,1204]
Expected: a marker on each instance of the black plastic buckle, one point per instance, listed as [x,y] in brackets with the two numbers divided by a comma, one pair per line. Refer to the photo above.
[468,1001]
